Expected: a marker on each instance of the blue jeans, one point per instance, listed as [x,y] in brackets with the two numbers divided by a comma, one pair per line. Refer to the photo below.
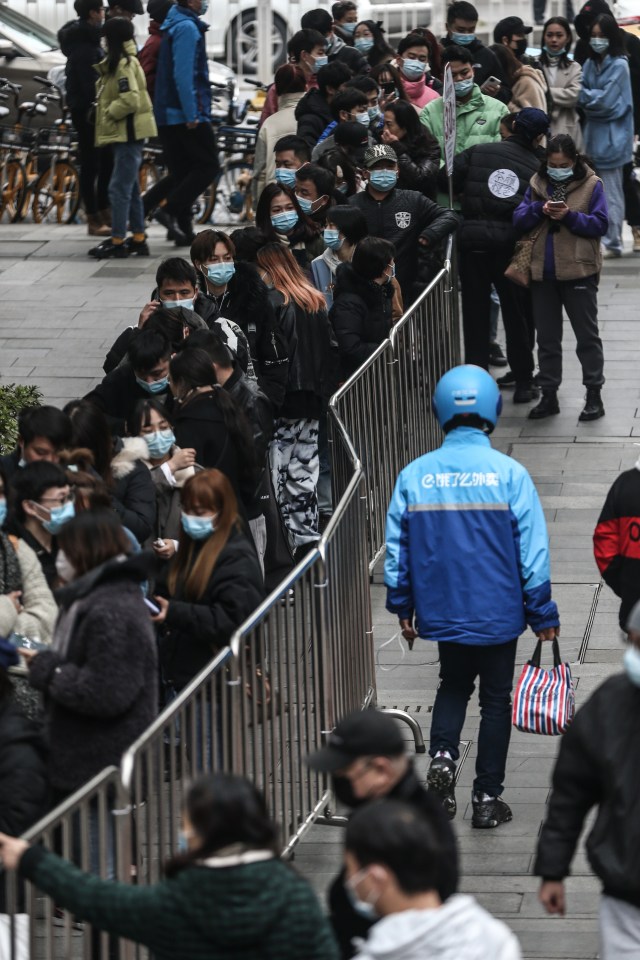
[614,192]
[124,190]
[460,665]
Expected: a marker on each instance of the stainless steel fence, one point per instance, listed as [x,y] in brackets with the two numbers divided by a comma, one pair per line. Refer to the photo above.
[301,661]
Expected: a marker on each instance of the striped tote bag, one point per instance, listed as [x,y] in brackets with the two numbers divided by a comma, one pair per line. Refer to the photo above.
[545,699]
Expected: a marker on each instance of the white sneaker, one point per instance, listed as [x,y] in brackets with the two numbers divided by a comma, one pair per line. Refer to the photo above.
[610,254]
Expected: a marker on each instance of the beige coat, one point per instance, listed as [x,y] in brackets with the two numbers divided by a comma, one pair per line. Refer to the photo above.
[528,90]
[39,609]
[564,86]
[280,124]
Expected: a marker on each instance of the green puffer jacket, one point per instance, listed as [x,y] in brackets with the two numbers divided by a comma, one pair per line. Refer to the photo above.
[248,911]
[120,95]
[477,121]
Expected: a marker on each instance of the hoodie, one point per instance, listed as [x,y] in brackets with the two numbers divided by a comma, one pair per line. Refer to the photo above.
[458,930]
[182,89]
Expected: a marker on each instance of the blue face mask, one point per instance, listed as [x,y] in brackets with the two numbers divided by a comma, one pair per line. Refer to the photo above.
[362,118]
[286,177]
[553,53]
[383,180]
[173,304]
[198,528]
[560,174]
[58,517]
[364,44]
[349,28]
[156,386]
[319,63]
[305,205]
[631,661]
[413,69]
[159,442]
[220,273]
[599,44]
[463,39]
[3,511]
[362,907]
[332,238]
[374,112]
[463,87]
[285,222]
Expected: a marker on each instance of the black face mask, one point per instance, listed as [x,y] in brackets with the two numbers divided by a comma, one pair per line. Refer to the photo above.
[344,793]
[521,48]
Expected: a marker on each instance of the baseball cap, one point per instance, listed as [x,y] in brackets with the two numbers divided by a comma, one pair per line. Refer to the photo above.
[509,26]
[365,733]
[381,151]
[133,6]
[531,122]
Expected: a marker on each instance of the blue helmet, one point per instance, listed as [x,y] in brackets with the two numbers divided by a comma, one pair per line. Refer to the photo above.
[467,390]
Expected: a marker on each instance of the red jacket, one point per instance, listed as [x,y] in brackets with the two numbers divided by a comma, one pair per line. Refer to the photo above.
[616,540]
[149,54]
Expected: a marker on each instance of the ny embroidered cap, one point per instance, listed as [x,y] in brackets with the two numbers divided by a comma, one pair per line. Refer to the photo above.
[381,151]
[365,733]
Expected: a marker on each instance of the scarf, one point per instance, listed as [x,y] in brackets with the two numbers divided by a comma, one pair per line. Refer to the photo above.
[10,574]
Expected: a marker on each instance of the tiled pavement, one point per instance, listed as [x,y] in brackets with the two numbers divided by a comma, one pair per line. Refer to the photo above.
[59,313]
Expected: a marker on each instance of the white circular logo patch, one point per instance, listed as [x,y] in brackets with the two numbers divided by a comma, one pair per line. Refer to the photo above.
[504,183]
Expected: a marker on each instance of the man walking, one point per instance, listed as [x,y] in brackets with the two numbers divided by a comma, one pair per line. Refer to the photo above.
[468,557]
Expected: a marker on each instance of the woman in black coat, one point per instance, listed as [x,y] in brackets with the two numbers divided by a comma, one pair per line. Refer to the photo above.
[214,583]
[361,314]
[417,150]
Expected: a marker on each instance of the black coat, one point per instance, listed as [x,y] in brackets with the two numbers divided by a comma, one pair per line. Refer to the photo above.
[313,115]
[119,394]
[80,43]
[10,463]
[133,495]
[195,632]
[24,786]
[598,766]
[615,541]
[311,378]
[101,694]
[360,316]
[480,175]
[418,168]
[257,409]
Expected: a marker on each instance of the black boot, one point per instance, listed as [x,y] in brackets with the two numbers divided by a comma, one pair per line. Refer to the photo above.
[547,407]
[171,224]
[593,408]
[525,391]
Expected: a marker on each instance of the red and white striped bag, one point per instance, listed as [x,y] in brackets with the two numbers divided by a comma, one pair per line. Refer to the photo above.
[545,700]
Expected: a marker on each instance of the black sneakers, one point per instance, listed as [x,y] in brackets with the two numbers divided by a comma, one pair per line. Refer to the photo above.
[593,408]
[441,780]
[496,356]
[139,249]
[109,251]
[547,407]
[525,391]
[489,812]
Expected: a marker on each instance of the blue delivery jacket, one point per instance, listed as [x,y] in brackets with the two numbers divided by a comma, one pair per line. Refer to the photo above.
[182,90]
[467,546]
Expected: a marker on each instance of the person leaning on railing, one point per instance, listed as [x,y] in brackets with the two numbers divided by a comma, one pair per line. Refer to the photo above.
[225,896]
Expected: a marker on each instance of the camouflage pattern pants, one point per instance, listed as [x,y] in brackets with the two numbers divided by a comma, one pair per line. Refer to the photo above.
[293,458]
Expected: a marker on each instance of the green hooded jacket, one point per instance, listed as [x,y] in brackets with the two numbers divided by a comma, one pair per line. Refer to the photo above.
[477,121]
[121,95]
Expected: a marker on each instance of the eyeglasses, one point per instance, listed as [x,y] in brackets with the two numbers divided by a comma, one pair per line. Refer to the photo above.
[58,501]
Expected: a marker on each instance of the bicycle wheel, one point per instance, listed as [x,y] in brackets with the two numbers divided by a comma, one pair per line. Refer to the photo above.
[148,176]
[56,196]
[13,186]
[232,194]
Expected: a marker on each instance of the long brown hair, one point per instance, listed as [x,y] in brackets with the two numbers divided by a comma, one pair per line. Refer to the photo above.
[209,489]
[288,277]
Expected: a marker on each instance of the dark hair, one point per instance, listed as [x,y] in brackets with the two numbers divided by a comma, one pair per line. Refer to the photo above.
[395,75]
[169,323]
[216,349]
[30,482]
[93,537]
[333,75]
[508,121]
[141,416]
[205,243]
[507,59]
[419,141]
[380,49]
[566,26]
[248,241]
[299,147]
[303,42]
[350,221]
[435,50]
[48,422]
[347,100]
[117,31]
[225,809]
[372,256]
[290,78]
[365,84]
[455,52]
[396,835]
[303,231]
[322,179]
[563,143]
[90,430]
[320,20]
[84,7]
[146,349]
[337,161]
[461,10]
[613,33]
[176,268]
[413,40]
[340,9]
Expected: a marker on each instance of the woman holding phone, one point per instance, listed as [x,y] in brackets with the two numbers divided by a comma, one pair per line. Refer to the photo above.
[564,214]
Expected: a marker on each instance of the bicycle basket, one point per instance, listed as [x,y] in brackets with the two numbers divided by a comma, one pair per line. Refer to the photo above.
[237,139]
[53,139]
[17,138]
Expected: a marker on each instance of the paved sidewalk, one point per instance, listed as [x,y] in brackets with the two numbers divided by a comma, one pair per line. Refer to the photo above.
[60,313]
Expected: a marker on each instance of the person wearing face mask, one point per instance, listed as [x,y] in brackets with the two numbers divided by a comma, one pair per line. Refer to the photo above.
[214,580]
[313,113]
[307,50]
[564,212]
[289,154]
[527,83]
[511,32]
[393,856]
[43,432]
[564,78]
[607,102]
[596,770]
[403,217]
[291,87]
[280,219]
[337,50]
[369,40]
[615,540]
[413,64]
[461,25]
[345,19]
[349,106]
[345,228]
[365,756]
[418,152]
[316,192]
[225,893]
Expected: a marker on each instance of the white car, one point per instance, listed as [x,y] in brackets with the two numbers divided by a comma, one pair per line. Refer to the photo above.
[233,23]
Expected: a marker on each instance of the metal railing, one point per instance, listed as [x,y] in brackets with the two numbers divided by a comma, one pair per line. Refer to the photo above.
[300,662]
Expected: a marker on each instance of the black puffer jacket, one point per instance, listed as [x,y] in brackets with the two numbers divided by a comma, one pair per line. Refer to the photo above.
[24,786]
[80,43]
[313,115]
[598,767]
[246,302]
[194,632]
[309,337]
[119,394]
[360,316]
[492,179]
[101,691]
[257,408]
[133,495]
[418,167]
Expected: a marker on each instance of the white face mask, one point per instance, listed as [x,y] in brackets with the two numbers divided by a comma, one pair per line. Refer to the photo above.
[65,570]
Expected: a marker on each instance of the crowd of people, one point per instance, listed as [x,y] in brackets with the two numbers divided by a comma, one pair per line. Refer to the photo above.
[143,523]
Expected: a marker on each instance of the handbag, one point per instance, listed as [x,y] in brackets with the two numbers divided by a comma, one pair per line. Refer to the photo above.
[519,269]
[545,699]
